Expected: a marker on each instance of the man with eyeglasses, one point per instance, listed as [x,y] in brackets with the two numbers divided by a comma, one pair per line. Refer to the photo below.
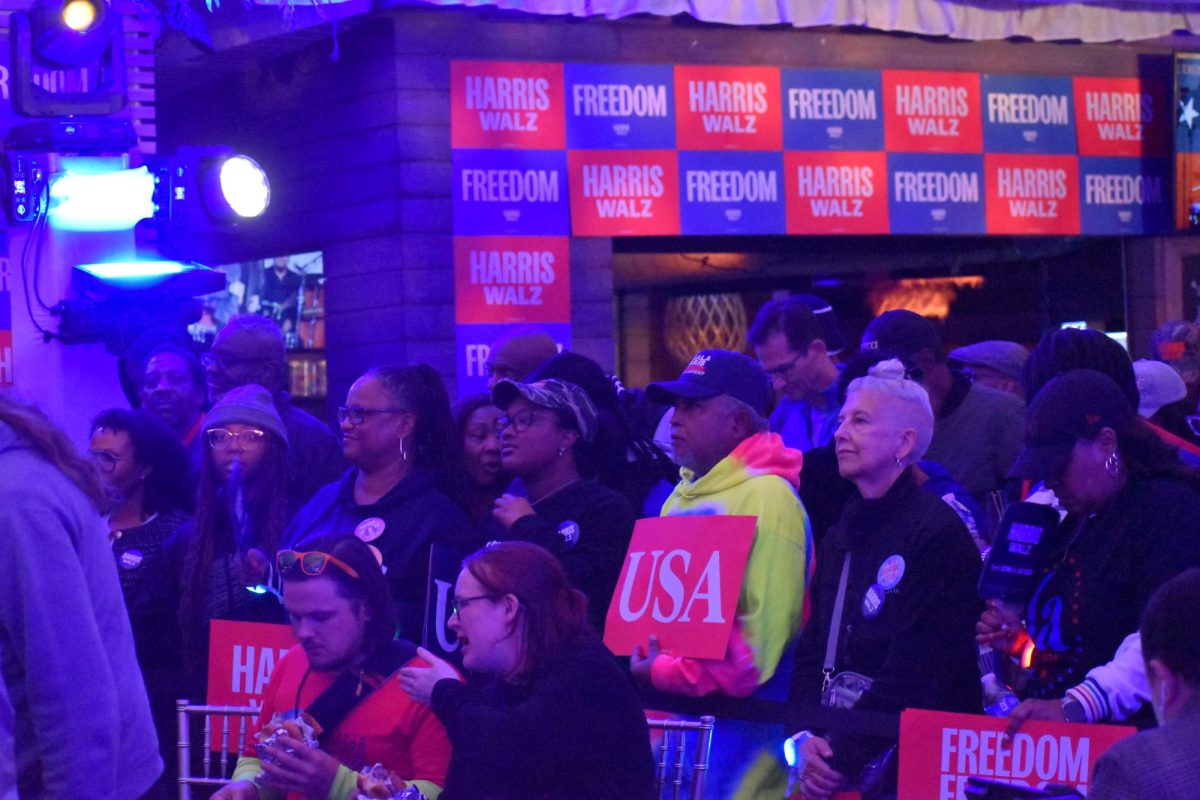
[339,675]
[795,340]
[250,349]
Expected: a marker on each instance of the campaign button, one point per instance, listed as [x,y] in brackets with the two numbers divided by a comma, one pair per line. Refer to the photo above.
[569,531]
[131,559]
[370,529]
[872,602]
[890,572]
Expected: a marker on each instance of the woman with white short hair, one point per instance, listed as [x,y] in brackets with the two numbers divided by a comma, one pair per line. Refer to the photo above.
[899,572]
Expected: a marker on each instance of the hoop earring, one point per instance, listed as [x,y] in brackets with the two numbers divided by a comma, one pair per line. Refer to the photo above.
[403,455]
[1112,465]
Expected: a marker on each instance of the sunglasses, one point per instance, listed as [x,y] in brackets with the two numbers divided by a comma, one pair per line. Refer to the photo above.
[312,563]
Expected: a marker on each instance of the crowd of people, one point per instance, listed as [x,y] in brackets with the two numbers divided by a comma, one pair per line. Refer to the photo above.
[878,481]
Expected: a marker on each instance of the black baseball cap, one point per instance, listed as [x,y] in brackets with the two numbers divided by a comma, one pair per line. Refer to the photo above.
[715,372]
[903,332]
[1071,406]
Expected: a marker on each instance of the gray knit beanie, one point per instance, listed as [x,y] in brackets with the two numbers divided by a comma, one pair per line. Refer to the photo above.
[250,405]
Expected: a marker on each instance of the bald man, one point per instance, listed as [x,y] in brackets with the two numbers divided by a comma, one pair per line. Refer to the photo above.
[516,355]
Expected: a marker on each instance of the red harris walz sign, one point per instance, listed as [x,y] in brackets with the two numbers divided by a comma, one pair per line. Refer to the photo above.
[680,582]
[932,112]
[1122,117]
[497,104]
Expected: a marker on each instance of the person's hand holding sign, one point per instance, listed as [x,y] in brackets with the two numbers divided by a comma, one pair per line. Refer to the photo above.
[642,660]
[305,770]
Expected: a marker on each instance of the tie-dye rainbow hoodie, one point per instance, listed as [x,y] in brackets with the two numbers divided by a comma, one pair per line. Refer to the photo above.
[759,478]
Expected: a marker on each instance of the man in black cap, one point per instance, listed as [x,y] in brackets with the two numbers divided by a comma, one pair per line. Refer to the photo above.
[977,434]
[795,340]
[732,465]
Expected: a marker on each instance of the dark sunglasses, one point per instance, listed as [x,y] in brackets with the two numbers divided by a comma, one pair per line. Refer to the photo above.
[312,563]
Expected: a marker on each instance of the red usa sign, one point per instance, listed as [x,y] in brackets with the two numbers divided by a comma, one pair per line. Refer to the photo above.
[681,581]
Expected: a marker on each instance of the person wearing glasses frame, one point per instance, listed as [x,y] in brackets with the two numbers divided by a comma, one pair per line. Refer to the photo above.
[398,437]
[527,727]
[547,436]
[340,674]
[241,511]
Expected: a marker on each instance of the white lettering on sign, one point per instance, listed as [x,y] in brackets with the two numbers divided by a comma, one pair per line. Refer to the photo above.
[441,617]
[835,104]
[6,366]
[1017,108]
[488,92]
[477,356]
[677,587]
[512,277]
[3,82]
[936,187]
[252,667]
[1123,190]
[510,185]
[619,100]
[727,97]
[1028,760]
[4,275]
[834,181]
[622,180]
[917,100]
[731,186]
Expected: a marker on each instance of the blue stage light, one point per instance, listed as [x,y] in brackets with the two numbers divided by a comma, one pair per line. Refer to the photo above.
[100,201]
[168,278]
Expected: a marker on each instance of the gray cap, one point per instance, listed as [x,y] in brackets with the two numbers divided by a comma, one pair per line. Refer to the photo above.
[1007,358]
[249,405]
[1158,385]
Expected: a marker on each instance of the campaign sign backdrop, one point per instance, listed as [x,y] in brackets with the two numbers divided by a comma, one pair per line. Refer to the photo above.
[620,106]
[680,581]
[1187,140]
[437,638]
[1121,196]
[241,657]
[1029,194]
[936,193]
[6,342]
[1122,116]
[473,344]
[624,192]
[1028,114]
[832,109]
[932,112]
[940,751]
[830,193]
[516,192]
[731,193]
[513,279]
[728,108]
[495,104]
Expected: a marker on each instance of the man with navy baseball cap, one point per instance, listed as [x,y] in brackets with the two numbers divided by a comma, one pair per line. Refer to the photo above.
[732,465]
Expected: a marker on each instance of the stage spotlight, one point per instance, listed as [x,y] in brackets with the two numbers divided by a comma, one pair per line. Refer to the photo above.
[57,34]
[236,187]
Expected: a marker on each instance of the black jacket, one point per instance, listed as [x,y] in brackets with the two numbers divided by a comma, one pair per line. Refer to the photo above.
[415,514]
[920,648]
[588,527]
[1102,571]
[575,730]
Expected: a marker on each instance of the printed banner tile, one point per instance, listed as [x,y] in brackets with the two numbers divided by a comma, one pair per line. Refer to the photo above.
[506,104]
[832,193]
[510,192]
[731,193]
[624,192]
[1121,116]
[512,279]
[832,109]
[1030,195]
[932,112]
[728,108]
[620,107]
[936,193]
[1124,196]
[1028,114]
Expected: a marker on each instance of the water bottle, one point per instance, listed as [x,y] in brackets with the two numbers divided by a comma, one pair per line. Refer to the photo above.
[998,697]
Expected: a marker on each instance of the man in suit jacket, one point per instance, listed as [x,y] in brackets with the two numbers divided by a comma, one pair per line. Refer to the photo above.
[1163,763]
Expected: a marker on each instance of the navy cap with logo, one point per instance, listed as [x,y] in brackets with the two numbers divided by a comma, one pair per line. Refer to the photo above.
[716,372]
[551,393]
[904,333]
[1072,406]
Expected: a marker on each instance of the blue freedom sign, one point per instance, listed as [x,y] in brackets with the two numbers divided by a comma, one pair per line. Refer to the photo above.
[620,107]
[832,109]
[1028,114]
[936,193]
[731,193]
[1122,196]
[515,192]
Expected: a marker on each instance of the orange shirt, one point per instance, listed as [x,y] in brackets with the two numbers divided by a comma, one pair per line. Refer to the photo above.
[388,727]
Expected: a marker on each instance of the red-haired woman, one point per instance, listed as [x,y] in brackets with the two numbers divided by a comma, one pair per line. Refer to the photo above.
[554,690]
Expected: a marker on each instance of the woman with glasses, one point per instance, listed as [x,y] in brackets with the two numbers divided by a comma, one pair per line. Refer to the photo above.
[398,437]
[483,479]
[556,717]
[148,480]
[241,510]
[546,435]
